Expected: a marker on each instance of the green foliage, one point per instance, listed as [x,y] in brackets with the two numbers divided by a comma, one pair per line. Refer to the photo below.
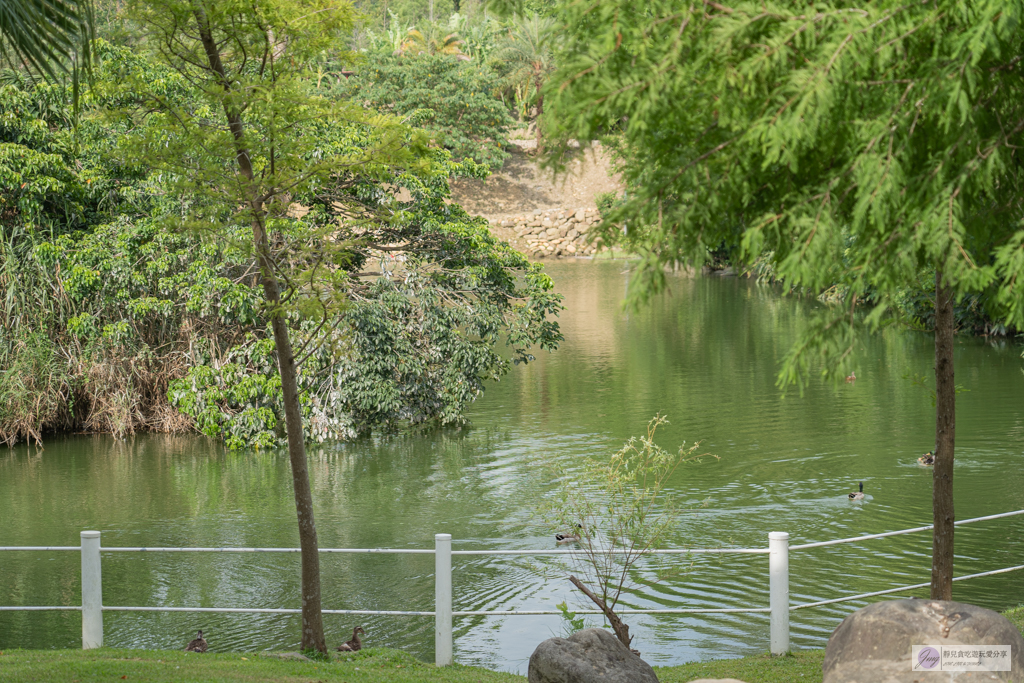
[620,508]
[46,34]
[606,201]
[113,322]
[456,101]
[525,56]
[857,146]
[572,623]
[415,344]
[34,389]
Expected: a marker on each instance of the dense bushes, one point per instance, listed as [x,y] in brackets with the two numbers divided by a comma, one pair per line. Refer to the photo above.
[456,100]
[113,322]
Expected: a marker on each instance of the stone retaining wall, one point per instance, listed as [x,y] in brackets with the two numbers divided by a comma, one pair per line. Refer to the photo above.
[555,232]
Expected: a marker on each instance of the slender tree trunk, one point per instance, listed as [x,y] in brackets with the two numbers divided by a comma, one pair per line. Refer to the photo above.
[945,432]
[540,110]
[312,618]
[618,626]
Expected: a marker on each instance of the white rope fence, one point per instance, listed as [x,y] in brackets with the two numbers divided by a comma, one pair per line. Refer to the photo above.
[778,550]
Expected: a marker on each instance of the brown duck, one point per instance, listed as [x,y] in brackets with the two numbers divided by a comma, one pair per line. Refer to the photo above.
[352,645]
[198,643]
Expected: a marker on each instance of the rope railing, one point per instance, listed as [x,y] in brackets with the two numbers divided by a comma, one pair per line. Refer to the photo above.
[778,573]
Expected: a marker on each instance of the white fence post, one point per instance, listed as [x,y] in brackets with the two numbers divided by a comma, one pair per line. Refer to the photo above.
[443,600]
[92,591]
[778,588]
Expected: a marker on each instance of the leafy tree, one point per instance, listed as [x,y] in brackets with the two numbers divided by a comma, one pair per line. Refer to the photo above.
[525,51]
[429,288]
[454,100]
[240,149]
[619,511]
[432,40]
[852,145]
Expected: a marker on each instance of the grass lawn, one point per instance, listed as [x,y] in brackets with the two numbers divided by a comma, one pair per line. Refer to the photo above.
[368,666]
[798,666]
[371,665]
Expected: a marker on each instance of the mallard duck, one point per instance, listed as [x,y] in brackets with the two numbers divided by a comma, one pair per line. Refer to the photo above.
[927,459]
[857,495]
[353,645]
[198,643]
[852,377]
[570,537]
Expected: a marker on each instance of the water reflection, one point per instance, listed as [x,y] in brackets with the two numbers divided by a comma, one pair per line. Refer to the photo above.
[706,355]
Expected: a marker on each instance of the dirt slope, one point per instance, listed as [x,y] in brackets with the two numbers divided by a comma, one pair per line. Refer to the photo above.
[522,187]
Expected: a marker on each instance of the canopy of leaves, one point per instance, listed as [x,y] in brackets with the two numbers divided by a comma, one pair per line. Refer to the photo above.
[111,318]
[457,101]
[853,145]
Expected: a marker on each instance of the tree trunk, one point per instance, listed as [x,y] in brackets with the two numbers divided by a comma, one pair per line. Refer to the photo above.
[945,432]
[312,618]
[540,109]
[621,629]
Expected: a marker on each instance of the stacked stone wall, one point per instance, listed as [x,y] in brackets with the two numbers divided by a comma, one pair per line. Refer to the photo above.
[555,232]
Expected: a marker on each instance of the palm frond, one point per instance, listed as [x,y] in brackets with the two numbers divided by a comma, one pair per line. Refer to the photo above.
[47,35]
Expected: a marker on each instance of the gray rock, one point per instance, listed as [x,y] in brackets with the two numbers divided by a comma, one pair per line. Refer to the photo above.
[592,655]
[874,644]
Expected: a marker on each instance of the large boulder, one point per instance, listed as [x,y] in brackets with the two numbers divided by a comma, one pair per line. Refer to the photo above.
[592,655]
[874,644]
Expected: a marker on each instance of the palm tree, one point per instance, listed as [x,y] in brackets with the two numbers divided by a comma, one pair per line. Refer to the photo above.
[43,34]
[432,41]
[527,51]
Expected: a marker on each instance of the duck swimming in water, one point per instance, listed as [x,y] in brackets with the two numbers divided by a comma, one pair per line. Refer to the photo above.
[198,643]
[573,537]
[857,495]
[927,459]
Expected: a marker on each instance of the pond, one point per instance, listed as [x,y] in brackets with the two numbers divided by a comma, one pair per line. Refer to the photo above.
[705,355]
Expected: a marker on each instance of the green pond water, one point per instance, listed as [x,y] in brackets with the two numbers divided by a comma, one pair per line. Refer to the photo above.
[706,355]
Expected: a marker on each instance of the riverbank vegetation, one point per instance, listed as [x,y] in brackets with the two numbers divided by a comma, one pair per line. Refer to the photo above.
[122,312]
